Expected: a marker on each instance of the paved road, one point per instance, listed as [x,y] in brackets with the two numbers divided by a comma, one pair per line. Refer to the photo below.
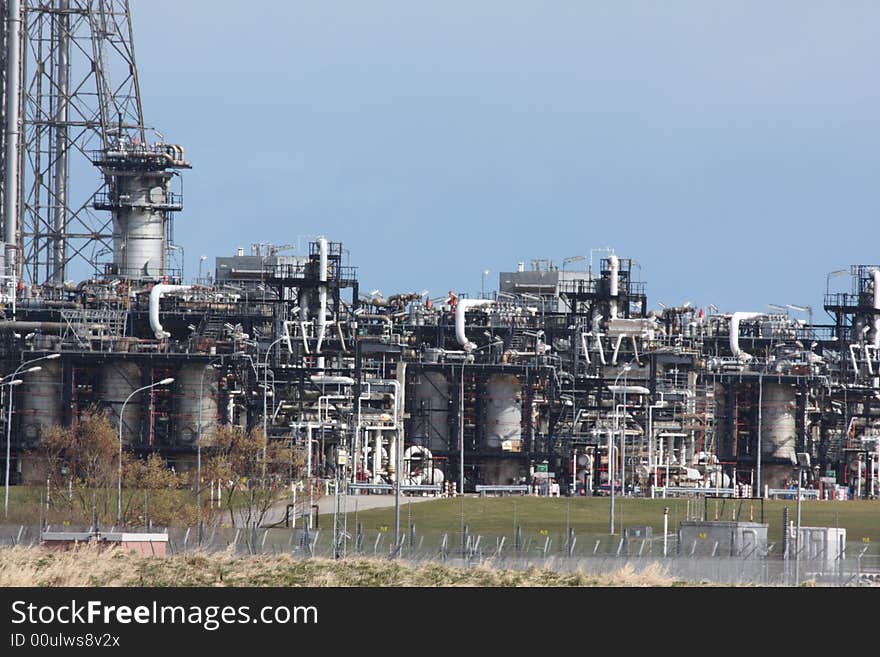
[327,504]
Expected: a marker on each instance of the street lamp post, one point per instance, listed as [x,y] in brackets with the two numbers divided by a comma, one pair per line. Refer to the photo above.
[803,462]
[461,433]
[804,309]
[199,440]
[626,368]
[265,407]
[13,382]
[836,272]
[651,473]
[571,259]
[9,426]
[163,382]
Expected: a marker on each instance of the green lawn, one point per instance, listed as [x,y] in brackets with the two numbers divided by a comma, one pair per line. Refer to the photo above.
[539,516]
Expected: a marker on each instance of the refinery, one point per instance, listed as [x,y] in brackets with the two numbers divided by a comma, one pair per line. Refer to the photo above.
[563,375]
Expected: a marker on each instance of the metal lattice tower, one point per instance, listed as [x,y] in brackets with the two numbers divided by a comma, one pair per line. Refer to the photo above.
[80,101]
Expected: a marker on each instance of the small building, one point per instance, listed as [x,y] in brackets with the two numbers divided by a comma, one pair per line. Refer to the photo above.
[826,544]
[722,538]
[142,543]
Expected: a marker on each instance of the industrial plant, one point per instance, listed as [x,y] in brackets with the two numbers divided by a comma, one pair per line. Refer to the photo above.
[564,375]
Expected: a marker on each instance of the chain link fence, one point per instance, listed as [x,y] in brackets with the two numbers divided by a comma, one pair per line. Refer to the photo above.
[591,554]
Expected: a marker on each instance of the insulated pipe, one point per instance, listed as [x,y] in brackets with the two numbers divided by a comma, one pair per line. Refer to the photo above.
[322,292]
[601,350]
[852,356]
[45,327]
[384,318]
[876,334]
[585,346]
[460,310]
[13,131]
[399,407]
[615,268]
[377,456]
[735,319]
[156,294]
[62,73]
[616,349]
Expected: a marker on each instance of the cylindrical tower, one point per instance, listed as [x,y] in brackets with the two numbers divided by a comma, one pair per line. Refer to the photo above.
[139,226]
[503,412]
[195,398]
[117,381]
[138,194]
[778,433]
[38,402]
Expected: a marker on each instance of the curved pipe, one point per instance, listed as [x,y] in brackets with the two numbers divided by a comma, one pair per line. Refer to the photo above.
[460,309]
[735,319]
[384,318]
[421,450]
[156,294]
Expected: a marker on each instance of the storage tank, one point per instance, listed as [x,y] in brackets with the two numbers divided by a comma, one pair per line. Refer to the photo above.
[195,389]
[117,381]
[778,432]
[430,411]
[38,401]
[503,413]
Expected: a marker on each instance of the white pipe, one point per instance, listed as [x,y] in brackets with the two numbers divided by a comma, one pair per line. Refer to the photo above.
[13,131]
[303,300]
[601,350]
[876,334]
[876,274]
[156,294]
[463,306]
[320,379]
[322,254]
[586,346]
[616,349]
[735,319]
[852,356]
[615,268]
[322,292]
[392,457]
[377,456]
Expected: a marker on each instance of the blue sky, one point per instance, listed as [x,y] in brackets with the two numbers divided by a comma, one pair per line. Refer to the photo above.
[732,149]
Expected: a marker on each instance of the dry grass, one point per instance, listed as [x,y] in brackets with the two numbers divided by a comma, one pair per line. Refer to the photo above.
[34,566]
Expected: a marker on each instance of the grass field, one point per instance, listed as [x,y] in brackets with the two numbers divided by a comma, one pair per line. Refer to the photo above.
[590,515]
[89,567]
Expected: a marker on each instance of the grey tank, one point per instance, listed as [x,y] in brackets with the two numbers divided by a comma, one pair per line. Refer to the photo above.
[191,395]
[38,401]
[778,432]
[430,411]
[503,412]
[117,381]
